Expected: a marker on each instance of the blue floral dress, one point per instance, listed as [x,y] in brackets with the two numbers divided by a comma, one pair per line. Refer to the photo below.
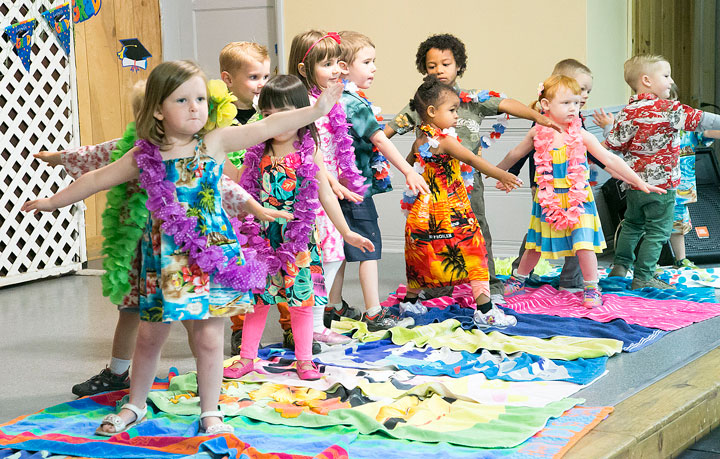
[170,289]
[301,283]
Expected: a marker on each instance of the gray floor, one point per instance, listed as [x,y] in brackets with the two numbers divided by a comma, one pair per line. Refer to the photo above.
[57,332]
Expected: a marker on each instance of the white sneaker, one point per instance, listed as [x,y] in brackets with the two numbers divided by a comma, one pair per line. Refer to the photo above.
[494,318]
[497,298]
[416,307]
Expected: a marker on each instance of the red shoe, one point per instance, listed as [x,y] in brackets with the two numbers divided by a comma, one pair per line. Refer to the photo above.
[307,370]
[237,373]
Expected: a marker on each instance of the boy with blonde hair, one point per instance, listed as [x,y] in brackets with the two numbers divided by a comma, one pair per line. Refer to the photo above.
[643,135]
[372,148]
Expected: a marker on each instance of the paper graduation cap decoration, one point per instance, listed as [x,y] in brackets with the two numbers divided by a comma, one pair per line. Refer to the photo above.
[133,54]
[20,35]
[59,20]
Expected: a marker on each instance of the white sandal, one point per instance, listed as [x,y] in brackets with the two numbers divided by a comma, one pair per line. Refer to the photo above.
[117,422]
[216,429]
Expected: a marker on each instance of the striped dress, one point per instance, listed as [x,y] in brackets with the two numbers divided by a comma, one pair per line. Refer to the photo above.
[586,235]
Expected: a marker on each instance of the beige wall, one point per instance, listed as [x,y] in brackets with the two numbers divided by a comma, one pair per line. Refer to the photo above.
[512,44]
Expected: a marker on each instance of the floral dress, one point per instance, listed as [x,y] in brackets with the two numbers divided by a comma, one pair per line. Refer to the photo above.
[443,242]
[301,283]
[171,290]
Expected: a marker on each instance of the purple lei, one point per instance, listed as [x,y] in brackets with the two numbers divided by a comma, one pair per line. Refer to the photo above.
[297,231]
[175,222]
[349,174]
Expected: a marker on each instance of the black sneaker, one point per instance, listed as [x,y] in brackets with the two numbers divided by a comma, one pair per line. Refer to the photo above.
[333,314]
[235,342]
[289,342]
[384,320]
[104,382]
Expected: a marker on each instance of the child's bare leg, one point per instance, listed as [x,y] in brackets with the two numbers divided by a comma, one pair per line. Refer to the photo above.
[334,272]
[677,242]
[368,273]
[208,339]
[188,324]
[481,293]
[529,259]
[125,334]
[150,339]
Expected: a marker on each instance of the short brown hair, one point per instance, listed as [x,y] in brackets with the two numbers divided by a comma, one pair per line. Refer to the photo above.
[351,43]
[163,80]
[238,53]
[325,48]
[570,67]
[640,65]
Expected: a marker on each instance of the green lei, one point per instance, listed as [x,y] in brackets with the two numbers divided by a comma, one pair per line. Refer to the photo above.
[237,157]
[123,221]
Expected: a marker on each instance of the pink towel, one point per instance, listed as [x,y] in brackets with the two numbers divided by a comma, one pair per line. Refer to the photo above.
[462,296]
[662,314]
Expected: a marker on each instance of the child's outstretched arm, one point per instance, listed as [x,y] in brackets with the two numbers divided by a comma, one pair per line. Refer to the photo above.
[451,146]
[413,180]
[517,108]
[332,209]
[237,138]
[616,165]
[121,171]
[81,160]
[520,151]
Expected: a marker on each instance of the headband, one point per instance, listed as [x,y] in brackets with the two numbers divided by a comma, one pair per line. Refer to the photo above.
[334,35]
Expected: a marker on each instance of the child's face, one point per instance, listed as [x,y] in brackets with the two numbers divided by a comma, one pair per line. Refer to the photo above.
[326,71]
[285,136]
[362,69]
[659,81]
[185,111]
[247,81]
[441,63]
[445,115]
[564,107]
[586,84]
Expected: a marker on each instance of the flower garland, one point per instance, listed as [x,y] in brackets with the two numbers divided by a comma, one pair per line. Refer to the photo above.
[559,218]
[498,128]
[163,205]
[221,110]
[382,176]
[297,231]
[349,175]
[123,220]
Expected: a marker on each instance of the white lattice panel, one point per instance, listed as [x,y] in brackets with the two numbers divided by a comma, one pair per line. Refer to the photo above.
[38,111]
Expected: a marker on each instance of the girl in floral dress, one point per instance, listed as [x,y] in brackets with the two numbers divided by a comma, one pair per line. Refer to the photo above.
[192,265]
[443,242]
[564,219]
[288,174]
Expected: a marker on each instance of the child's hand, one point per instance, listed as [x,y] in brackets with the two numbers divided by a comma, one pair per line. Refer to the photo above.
[355,240]
[416,183]
[508,182]
[543,120]
[603,119]
[343,193]
[329,97]
[52,158]
[647,188]
[38,205]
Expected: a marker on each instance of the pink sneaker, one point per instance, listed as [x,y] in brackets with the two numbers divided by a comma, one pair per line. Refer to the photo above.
[330,337]
[237,373]
[307,370]
[592,298]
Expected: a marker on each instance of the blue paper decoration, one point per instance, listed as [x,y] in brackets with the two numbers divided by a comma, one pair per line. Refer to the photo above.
[59,21]
[20,35]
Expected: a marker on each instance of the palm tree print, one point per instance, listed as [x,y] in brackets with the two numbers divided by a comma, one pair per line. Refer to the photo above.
[207,198]
[453,261]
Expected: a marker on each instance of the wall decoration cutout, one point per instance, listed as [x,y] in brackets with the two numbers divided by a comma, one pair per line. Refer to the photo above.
[59,21]
[85,9]
[133,54]
[20,35]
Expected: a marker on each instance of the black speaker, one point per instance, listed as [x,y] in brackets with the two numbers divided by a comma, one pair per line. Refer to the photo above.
[702,243]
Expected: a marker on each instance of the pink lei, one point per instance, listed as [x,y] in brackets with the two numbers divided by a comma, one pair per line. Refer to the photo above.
[559,218]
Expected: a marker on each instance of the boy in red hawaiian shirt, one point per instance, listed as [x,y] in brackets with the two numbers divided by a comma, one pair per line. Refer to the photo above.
[643,135]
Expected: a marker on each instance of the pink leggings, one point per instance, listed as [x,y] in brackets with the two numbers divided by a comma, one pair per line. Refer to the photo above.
[300,323]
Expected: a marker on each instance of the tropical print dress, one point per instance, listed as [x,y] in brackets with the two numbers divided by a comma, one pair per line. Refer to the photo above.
[443,242]
[170,289]
[686,192]
[301,283]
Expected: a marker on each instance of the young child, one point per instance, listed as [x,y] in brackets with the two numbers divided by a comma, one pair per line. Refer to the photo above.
[643,134]
[185,273]
[443,244]
[571,275]
[314,59]
[288,173]
[444,56]
[564,217]
[372,147]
